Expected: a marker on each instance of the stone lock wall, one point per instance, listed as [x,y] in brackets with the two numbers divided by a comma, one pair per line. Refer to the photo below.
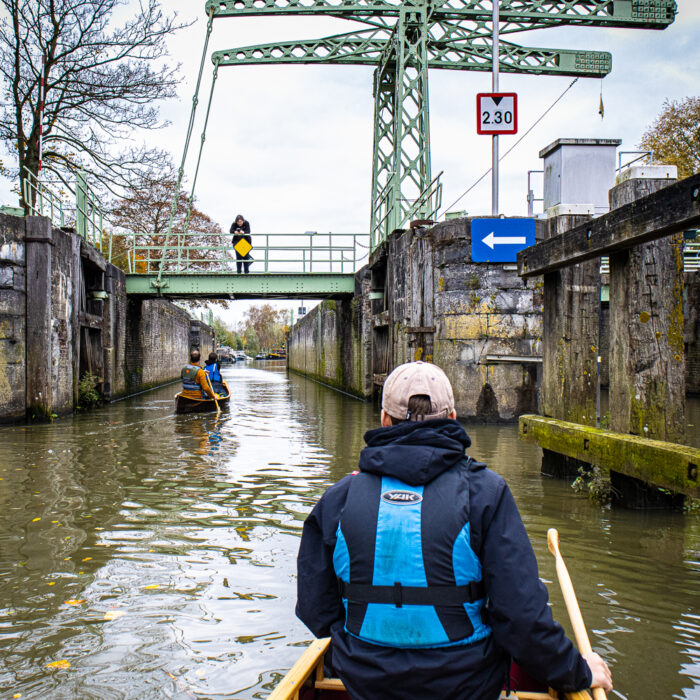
[479,322]
[13,301]
[57,323]
[692,333]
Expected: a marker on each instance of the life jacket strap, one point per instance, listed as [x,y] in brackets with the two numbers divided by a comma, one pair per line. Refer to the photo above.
[399,595]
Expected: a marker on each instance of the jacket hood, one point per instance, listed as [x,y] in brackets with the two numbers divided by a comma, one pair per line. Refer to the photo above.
[414,452]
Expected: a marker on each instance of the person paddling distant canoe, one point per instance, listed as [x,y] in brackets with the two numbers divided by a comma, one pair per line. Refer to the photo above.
[419,568]
[195,381]
[213,370]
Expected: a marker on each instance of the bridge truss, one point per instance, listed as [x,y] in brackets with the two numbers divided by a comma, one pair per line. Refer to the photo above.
[404,39]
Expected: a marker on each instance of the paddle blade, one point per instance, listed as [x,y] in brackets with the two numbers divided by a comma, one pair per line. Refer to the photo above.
[553,541]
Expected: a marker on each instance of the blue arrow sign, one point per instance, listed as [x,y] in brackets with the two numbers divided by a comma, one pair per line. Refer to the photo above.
[500,240]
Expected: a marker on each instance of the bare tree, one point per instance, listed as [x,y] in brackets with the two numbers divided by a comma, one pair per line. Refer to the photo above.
[144,213]
[101,83]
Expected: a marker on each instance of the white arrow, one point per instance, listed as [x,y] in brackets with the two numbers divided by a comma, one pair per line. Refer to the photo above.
[492,240]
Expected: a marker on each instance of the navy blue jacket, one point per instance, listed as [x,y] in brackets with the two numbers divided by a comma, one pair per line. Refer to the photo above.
[517,610]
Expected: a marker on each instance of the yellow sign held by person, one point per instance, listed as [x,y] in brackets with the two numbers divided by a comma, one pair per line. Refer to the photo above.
[243,247]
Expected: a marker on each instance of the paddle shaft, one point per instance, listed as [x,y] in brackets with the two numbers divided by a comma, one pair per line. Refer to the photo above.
[572,607]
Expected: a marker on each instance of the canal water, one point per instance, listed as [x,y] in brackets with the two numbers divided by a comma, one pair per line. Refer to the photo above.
[148,555]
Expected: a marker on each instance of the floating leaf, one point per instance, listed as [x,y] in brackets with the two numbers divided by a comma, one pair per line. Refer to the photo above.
[151,587]
[75,601]
[113,614]
[52,583]
[86,559]
[36,520]
[17,695]
[58,664]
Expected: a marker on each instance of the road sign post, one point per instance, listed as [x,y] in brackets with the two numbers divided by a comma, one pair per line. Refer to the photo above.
[495,65]
[500,240]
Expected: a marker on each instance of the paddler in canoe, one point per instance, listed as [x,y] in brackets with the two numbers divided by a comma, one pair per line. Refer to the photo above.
[419,569]
[197,393]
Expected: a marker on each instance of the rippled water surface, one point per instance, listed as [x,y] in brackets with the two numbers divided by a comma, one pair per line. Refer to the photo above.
[155,554]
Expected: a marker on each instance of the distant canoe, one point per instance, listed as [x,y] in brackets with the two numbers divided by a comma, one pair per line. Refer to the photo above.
[183,404]
[306,679]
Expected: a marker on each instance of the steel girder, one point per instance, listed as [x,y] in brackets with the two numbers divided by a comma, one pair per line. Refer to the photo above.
[650,14]
[367,48]
[301,285]
[410,36]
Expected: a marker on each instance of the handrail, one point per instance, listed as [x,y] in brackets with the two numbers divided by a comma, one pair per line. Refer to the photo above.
[41,200]
[641,155]
[432,190]
[212,253]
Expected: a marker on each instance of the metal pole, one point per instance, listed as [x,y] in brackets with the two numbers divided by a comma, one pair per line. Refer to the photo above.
[42,102]
[495,88]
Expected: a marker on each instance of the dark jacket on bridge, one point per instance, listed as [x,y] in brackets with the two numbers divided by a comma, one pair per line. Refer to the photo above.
[456,492]
[240,232]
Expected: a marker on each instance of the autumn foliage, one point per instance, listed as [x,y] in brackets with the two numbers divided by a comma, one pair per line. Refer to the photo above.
[675,136]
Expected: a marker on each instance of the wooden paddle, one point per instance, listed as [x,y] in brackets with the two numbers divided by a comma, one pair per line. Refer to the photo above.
[567,589]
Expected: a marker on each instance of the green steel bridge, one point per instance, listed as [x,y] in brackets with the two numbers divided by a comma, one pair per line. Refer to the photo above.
[403,40]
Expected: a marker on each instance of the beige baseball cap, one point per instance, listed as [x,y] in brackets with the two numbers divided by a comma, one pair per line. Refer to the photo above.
[417,378]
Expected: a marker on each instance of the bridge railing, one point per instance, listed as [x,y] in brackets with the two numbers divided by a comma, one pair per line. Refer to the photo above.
[213,253]
[65,206]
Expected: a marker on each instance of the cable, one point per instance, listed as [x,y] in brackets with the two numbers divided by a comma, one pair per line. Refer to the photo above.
[517,143]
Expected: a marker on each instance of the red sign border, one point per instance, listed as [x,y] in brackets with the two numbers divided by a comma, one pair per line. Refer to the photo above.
[500,132]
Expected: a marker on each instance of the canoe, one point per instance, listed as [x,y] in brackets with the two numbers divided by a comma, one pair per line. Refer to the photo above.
[184,404]
[306,681]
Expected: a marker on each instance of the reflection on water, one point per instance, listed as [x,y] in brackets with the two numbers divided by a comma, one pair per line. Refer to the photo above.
[155,553]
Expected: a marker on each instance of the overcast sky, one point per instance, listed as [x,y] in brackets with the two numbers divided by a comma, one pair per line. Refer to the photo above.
[290,147]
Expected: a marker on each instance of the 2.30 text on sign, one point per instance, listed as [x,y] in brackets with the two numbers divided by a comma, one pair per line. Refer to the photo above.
[497,113]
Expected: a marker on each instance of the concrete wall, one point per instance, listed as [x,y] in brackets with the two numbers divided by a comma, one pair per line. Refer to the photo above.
[55,324]
[332,342]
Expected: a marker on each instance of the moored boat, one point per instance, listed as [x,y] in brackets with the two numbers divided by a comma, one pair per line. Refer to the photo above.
[307,681]
[184,404]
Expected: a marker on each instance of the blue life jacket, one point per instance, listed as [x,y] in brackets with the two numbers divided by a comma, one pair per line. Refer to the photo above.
[189,379]
[213,371]
[406,571]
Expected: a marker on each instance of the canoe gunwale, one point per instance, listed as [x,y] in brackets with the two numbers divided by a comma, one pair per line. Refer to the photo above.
[186,404]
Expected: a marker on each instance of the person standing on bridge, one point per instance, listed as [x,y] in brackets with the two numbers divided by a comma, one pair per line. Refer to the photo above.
[240,229]
[419,567]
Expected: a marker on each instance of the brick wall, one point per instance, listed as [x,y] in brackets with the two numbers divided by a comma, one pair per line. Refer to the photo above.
[157,343]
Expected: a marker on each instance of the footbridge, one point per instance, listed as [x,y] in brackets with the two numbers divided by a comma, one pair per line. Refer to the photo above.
[309,265]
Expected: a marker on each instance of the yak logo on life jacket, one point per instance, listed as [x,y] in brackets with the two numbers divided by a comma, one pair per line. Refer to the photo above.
[401,498]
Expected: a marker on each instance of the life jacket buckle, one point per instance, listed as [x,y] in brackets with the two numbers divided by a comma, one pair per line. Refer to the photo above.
[398,595]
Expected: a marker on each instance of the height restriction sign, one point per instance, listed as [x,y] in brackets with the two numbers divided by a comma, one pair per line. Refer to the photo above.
[497,113]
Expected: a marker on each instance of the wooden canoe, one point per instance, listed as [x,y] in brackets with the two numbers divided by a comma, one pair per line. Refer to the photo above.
[184,404]
[306,679]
